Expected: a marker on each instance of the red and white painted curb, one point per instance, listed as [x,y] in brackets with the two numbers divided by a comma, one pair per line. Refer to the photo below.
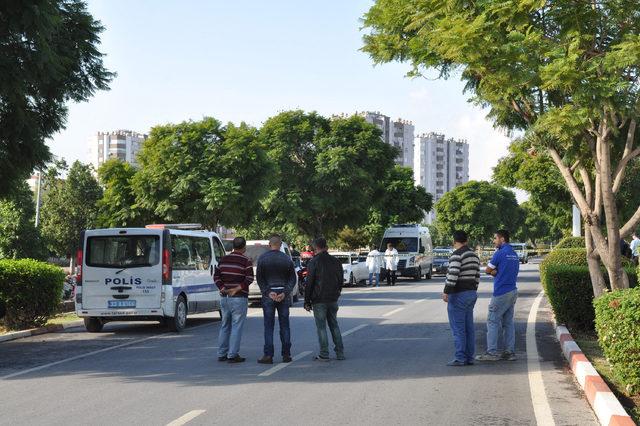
[605,404]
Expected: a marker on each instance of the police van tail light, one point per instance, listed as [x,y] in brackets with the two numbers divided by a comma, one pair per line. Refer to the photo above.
[79,267]
[166,267]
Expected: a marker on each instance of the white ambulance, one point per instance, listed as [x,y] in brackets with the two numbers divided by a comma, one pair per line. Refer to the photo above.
[413,243]
[158,273]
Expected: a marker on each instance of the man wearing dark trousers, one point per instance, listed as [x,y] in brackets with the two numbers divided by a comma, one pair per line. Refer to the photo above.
[323,289]
[276,277]
[461,294]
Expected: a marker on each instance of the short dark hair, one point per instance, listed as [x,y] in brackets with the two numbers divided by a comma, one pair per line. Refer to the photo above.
[239,243]
[275,240]
[460,236]
[503,233]
[320,243]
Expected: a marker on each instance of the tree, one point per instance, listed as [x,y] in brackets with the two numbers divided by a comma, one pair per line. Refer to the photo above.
[19,238]
[49,56]
[327,171]
[536,225]
[69,206]
[201,171]
[565,73]
[480,208]
[118,207]
[539,177]
[351,239]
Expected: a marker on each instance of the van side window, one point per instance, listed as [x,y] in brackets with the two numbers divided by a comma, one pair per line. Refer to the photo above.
[218,249]
[182,253]
[202,248]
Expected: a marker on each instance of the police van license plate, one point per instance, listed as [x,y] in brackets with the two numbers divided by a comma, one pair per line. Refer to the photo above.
[122,304]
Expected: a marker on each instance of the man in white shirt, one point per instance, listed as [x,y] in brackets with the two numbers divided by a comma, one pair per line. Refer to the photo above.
[635,248]
[391,264]
[374,264]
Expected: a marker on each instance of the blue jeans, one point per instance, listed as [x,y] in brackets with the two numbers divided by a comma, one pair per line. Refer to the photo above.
[234,314]
[269,308]
[327,314]
[460,310]
[501,323]
[377,274]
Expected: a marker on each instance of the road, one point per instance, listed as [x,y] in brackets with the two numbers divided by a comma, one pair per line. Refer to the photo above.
[397,344]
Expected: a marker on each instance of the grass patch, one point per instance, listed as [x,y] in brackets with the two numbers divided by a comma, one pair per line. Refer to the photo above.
[63,318]
[589,344]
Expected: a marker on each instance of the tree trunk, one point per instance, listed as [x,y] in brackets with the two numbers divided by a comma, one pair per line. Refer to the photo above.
[593,260]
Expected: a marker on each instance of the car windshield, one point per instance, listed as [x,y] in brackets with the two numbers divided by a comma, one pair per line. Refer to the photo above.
[343,259]
[254,252]
[403,245]
[123,251]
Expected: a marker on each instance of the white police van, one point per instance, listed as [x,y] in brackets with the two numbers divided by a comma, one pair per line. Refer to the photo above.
[158,273]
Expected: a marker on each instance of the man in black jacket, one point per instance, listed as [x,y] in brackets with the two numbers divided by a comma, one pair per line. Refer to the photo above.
[323,289]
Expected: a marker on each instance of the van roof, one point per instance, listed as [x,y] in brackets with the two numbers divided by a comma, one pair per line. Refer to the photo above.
[147,231]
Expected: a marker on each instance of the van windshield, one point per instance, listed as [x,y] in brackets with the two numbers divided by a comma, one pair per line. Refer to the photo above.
[403,245]
[254,252]
[123,251]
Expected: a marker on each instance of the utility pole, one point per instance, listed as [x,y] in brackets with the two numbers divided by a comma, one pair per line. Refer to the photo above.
[577,228]
[38,197]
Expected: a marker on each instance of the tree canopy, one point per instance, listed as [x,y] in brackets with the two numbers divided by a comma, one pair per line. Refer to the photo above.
[480,208]
[48,56]
[19,237]
[566,72]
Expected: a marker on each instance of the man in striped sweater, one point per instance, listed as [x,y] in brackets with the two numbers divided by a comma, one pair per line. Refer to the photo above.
[460,294]
[233,276]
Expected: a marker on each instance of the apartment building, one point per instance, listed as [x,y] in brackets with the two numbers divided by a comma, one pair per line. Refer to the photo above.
[121,144]
[398,133]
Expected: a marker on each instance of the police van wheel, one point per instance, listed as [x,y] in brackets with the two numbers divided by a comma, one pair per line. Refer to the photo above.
[93,324]
[418,274]
[179,320]
[429,274]
[352,280]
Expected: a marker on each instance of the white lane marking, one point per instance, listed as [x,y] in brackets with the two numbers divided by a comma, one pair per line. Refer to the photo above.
[283,365]
[541,407]
[186,418]
[402,338]
[354,329]
[395,311]
[99,351]
[420,301]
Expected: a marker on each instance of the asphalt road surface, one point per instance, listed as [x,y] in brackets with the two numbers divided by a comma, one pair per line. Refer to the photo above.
[397,342]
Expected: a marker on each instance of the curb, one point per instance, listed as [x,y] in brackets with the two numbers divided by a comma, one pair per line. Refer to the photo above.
[604,403]
[37,331]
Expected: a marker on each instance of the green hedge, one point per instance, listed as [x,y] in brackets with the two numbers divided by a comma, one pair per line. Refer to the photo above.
[578,257]
[31,291]
[570,293]
[571,242]
[618,326]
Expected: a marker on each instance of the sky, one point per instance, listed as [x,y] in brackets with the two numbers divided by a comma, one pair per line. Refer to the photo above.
[247,60]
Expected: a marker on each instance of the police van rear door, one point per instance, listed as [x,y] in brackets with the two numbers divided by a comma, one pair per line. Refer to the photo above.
[122,269]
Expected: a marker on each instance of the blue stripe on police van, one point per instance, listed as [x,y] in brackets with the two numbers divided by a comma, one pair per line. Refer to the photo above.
[198,288]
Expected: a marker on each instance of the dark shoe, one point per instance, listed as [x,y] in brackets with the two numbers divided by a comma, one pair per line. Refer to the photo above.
[321,358]
[236,359]
[509,356]
[456,363]
[266,360]
[470,362]
[340,357]
[286,358]
[223,359]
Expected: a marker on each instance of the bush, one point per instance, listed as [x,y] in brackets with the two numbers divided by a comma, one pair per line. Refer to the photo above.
[618,326]
[30,290]
[578,257]
[571,242]
[570,293]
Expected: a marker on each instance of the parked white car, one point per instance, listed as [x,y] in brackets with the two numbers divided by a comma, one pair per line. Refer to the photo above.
[354,267]
[256,248]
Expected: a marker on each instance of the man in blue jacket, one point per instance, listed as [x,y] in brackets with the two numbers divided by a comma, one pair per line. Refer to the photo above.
[504,268]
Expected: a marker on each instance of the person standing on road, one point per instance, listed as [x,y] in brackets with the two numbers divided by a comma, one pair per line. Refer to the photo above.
[635,248]
[391,264]
[233,275]
[323,290]
[374,265]
[276,276]
[504,267]
[461,294]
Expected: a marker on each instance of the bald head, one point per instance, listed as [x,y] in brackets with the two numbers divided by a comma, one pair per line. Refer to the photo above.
[275,242]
